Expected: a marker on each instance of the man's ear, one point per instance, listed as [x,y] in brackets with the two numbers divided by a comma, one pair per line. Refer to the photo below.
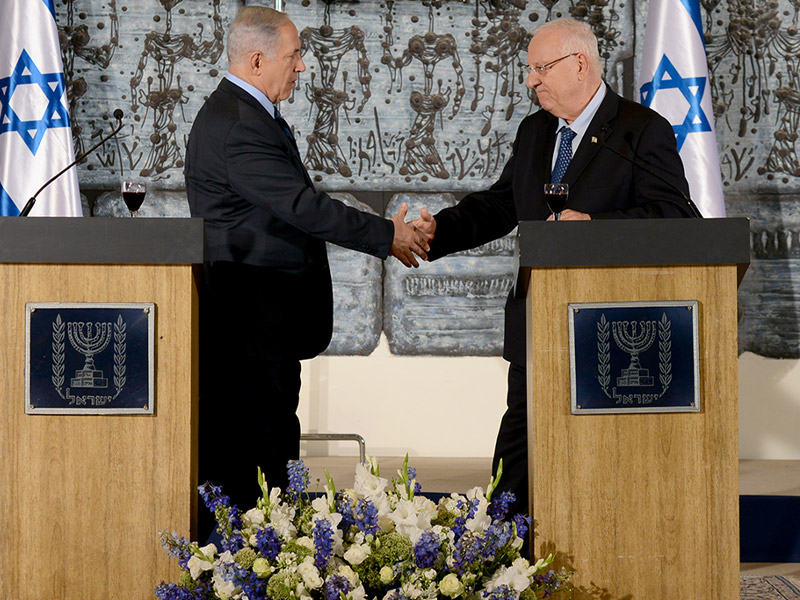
[255,61]
[583,65]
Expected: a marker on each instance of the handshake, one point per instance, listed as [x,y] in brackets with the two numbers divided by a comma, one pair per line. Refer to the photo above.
[412,239]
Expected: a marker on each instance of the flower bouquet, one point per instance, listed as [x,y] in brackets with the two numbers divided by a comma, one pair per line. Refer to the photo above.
[380,540]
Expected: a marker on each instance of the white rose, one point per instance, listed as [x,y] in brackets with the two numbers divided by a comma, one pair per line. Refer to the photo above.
[350,575]
[451,585]
[305,542]
[261,567]
[357,553]
[309,573]
[254,516]
[387,575]
[358,593]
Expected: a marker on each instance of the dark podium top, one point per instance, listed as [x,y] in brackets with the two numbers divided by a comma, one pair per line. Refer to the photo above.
[630,242]
[97,240]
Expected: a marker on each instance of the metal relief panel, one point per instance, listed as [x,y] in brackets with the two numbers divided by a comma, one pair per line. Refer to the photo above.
[157,60]
[357,295]
[452,306]
[400,94]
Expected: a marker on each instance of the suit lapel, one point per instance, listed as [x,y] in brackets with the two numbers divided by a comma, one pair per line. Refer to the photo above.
[544,151]
[598,129]
[293,150]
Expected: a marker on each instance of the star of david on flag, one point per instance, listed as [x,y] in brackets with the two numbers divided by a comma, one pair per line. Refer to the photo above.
[673,80]
[35,133]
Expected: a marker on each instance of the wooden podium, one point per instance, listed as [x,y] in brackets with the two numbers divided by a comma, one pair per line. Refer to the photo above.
[642,506]
[84,496]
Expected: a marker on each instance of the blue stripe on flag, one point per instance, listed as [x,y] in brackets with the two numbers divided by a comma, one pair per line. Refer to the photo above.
[693,8]
[7,206]
[51,6]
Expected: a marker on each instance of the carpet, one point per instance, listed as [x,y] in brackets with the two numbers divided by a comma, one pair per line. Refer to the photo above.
[773,587]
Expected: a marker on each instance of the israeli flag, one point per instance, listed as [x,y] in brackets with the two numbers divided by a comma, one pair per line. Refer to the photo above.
[674,82]
[35,134]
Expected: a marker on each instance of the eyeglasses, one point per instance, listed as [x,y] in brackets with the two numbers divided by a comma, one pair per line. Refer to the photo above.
[543,69]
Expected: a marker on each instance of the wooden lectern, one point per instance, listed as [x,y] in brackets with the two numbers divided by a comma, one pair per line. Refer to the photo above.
[83,497]
[642,506]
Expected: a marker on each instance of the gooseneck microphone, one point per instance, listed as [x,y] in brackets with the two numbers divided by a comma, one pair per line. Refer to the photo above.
[118,114]
[601,140]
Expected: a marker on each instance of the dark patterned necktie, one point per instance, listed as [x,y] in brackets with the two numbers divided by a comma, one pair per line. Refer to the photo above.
[564,155]
[285,126]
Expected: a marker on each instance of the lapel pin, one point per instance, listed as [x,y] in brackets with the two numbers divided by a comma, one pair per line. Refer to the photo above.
[594,140]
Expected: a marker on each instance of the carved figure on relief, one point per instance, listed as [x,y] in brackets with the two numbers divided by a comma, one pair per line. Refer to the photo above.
[163,93]
[498,40]
[329,46]
[420,155]
[76,42]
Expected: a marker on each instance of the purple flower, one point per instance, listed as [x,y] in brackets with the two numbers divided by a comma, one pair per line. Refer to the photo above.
[298,478]
[426,550]
[460,525]
[344,506]
[501,592]
[212,496]
[466,552]
[268,542]
[323,543]
[366,516]
[177,546]
[336,585]
[172,591]
[497,535]
[498,509]
[522,522]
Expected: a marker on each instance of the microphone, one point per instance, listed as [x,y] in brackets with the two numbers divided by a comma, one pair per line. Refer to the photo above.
[601,140]
[118,114]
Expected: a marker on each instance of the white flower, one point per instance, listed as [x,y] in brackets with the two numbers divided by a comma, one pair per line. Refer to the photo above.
[350,575]
[517,576]
[261,567]
[305,542]
[451,585]
[254,516]
[411,590]
[224,589]
[309,573]
[408,521]
[481,520]
[425,507]
[357,553]
[281,518]
[368,485]
[197,566]
[386,574]
[358,593]
[203,561]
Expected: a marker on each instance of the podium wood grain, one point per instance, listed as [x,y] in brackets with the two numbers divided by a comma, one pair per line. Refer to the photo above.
[83,497]
[642,506]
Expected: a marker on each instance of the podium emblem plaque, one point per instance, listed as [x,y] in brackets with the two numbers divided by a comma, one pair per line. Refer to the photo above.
[634,357]
[89,358]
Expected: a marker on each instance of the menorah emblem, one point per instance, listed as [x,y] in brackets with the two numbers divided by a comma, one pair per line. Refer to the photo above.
[89,340]
[634,339]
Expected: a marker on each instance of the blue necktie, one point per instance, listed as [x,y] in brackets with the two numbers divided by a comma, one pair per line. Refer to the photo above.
[564,155]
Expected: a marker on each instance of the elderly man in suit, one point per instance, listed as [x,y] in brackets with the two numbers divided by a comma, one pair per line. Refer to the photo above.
[268,302]
[564,142]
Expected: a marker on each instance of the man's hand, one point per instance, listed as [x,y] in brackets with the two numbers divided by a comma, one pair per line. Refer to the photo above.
[426,224]
[407,240]
[572,215]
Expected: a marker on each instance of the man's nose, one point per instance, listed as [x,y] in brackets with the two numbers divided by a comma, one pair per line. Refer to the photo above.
[301,66]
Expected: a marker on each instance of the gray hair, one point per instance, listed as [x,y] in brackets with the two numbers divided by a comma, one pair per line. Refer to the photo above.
[576,36]
[255,28]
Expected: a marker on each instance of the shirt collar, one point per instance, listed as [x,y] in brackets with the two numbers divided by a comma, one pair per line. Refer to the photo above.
[581,124]
[254,92]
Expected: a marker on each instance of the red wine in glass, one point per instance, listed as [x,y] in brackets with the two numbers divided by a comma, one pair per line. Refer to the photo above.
[133,193]
[555,195]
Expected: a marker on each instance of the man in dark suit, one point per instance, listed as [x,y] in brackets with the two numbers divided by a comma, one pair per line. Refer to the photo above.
[562,143]
[268,301]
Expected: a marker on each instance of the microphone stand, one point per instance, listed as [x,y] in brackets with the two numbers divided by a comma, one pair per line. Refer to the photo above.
[118,114]
[689,202]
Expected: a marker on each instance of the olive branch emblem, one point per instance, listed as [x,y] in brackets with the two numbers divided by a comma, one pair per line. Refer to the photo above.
[120,348]
[58,355]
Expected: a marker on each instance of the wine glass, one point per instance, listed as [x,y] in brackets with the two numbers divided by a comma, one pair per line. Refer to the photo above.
[133,194]
[555,194]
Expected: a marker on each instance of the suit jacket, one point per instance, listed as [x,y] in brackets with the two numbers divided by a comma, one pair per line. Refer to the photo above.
[601,184]
[244,176]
